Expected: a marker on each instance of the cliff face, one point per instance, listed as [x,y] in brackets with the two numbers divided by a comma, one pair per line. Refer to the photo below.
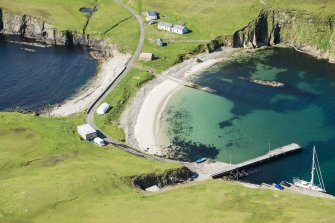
[166,178]
[34,28]
[311,34]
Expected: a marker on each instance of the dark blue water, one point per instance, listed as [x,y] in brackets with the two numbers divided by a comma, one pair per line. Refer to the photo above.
[45,77]
[243,119]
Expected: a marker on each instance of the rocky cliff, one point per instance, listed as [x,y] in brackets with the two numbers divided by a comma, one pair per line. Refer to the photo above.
[169,177]
[309,33]
[34,28]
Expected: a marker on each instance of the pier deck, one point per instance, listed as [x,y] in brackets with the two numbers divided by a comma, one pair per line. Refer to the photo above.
[273,154]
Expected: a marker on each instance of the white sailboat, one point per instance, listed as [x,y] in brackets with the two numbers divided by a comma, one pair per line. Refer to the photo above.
[310,185]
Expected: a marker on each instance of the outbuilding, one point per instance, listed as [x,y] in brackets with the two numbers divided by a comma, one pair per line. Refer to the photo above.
[151,15]
[165,26]
[147,56]
[87,132]
[102,109]
[159,42]
[179,29]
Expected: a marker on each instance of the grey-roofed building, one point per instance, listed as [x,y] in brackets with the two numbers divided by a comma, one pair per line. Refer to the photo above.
[165,26]
[159,42]
[87,132]
[151,15]
[179,29]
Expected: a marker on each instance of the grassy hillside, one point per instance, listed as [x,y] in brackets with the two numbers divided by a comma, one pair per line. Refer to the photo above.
[47,174]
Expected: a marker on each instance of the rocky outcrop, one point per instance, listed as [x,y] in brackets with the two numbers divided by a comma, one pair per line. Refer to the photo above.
[308,33]
[30,27]
[168,177]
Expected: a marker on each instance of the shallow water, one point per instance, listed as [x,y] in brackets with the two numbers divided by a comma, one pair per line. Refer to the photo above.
[243,119]
[33,76]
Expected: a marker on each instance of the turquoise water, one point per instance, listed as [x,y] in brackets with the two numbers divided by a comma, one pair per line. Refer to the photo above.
[243,119]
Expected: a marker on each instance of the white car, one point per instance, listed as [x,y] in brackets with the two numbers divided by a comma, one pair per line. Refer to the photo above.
[99,141]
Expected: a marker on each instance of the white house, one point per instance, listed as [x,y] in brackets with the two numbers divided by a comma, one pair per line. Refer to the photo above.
[179,29]
[102,109]
[151,15]
[87,132]
[165,26]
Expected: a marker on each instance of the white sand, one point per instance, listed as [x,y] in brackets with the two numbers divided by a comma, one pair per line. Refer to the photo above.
[146,128]
[151,102]
[110,70]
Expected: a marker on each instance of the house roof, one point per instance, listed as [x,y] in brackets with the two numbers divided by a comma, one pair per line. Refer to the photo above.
[179,27]
[86,129]
[146,55]
[165,24]
[151,13]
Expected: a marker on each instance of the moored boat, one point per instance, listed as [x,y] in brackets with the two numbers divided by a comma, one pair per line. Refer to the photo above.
[310,185]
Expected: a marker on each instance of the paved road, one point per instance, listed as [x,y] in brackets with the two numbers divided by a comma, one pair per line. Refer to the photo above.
[93,107]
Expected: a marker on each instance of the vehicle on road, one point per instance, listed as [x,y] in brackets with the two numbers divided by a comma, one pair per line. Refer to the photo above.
[99,141]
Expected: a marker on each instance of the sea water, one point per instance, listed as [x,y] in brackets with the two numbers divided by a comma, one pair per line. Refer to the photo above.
[31,77]
[242,119]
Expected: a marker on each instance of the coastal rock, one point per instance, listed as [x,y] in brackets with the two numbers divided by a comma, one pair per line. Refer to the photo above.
[166,178]
[305,32]
[30,27]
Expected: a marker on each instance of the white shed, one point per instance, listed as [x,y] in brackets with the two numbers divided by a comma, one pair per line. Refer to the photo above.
[102,109]
[179,29]
[87,132]
[147,56]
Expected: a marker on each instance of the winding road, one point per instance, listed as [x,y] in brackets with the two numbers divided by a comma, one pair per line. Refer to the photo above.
[96,103]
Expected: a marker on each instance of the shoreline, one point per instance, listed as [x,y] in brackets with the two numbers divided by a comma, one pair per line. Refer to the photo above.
[141,119]
[107,71]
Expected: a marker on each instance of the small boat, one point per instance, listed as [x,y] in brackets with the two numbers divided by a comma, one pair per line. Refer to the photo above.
[279,187]
[201,160]
[310,185]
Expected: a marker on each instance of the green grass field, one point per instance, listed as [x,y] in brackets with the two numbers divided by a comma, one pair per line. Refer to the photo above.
[47,174]
[118,99]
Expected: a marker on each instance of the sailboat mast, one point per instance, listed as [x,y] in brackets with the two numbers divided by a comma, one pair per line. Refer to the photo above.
[313,167]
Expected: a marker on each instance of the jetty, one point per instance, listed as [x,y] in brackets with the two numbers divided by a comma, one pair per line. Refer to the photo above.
[216,169]
[271,155]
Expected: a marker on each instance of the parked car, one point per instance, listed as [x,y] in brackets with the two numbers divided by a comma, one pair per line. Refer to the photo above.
[152,22]
[99,141]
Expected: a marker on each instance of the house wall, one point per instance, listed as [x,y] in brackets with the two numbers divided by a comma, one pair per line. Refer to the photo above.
[91,136]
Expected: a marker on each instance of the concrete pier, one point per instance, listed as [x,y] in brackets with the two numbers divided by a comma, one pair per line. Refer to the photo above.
[271,155]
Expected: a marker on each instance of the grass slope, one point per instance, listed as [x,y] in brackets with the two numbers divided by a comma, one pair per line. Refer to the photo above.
[47,174]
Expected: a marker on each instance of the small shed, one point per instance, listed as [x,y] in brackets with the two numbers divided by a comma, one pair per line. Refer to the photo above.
[151,15]
[87,132]
[165,26]
[159,42]
[102,109]
[147,56]
[179,29]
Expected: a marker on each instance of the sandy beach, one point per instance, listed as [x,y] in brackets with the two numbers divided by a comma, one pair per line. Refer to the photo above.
[109,70]
[141,119]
